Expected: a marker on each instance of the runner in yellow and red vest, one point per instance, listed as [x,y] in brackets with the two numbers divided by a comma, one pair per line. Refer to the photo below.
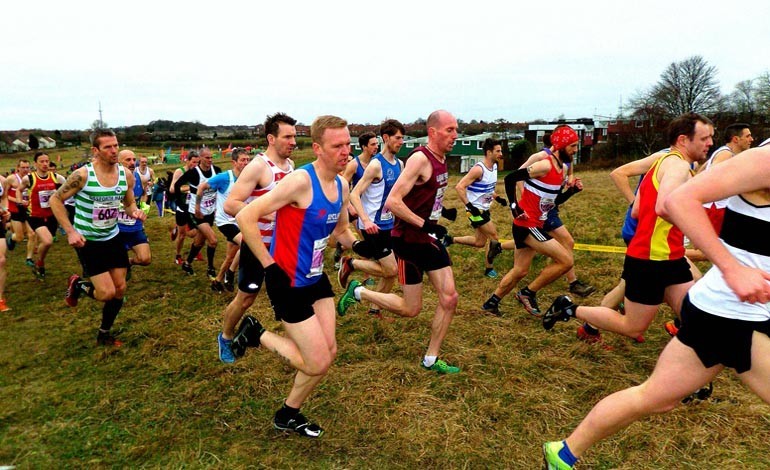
[655,268]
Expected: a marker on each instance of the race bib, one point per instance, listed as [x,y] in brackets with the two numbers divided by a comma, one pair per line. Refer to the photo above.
[45,198]
[435,213]
[208,202]
[386,215]
[545,206]
[486,199]
[125,219]
[317,263]
[105,214]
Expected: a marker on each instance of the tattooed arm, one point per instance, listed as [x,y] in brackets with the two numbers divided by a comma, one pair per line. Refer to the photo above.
[74,183]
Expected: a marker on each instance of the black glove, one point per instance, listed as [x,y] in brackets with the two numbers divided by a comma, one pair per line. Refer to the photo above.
[473,209]
[276,280]
[502,201]
[517,211]
[449,214]
[438,231]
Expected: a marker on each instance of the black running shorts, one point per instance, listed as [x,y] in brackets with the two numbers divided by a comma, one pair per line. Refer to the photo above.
[414,259]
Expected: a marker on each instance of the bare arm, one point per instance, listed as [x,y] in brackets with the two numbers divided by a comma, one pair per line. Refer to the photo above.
[672,173]
[244,185]
[129,201]
[621,174]
[342,232]
[177,174]
[417,168]
[745,173]
[372,172]
[350,170]
[473,175]
[71,186]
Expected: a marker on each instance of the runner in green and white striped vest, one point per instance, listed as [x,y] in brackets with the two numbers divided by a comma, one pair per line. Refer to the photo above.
[96,207]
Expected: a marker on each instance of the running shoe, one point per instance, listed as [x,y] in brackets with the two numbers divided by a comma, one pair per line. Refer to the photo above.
[3,306]
[345,270]
[671,327]
[217,286]
[368,282]
[73,291]
[211,273]
[300,425]
[199,257]
[590,338]
[107,339]
[561,309]
[348,298]
[39,271]
[551,459]
[225,353]
[491,307]
[495,248]
[441,367]
[9,241]
[580,288]
[701,394]
[248,334]
[187,267]
[29,262]
[178,259]
[529,302]
[229,281]
[491,274]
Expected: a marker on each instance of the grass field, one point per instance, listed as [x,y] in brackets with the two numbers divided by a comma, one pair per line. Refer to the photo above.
[165,400]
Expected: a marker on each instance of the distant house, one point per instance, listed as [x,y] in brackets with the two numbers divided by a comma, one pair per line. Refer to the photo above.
[409,145]
[47,143]
[19,146]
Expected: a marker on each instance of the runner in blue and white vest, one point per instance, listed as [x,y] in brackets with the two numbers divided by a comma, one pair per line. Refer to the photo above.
[131,230]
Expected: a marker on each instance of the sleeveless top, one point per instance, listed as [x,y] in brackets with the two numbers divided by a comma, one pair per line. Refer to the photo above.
[744,234]
[539,196]
[222,217]
[266,226]
[12,205]
[40,192]
[208,198]
[480,191]
[301,235]
[374,198]
[655,239]
[424,200]
[96,206]
[127,223]
[721,204]
[358,174]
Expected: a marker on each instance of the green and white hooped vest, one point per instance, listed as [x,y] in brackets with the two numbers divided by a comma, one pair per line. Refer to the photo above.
[96,207]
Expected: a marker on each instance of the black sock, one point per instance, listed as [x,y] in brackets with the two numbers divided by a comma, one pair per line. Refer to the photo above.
[210,251]
[286,413]
[86,287]
[590,329]
[110,312]
[194,250]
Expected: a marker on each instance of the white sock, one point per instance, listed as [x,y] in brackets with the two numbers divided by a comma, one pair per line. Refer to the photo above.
[357,293]
[428,361]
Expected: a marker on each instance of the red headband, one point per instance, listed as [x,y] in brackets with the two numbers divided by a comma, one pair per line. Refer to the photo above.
[562,137]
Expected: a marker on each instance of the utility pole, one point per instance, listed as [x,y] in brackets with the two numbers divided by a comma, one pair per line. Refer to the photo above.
[101,121]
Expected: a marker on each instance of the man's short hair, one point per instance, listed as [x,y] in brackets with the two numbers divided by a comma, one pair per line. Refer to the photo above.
[272,123]
[98,134]
[734,130]
[39,154]
[490,144]
[237,152]
[322,123]
[390,127]
[193,154]
[363,139]
[685,125]
[21,160]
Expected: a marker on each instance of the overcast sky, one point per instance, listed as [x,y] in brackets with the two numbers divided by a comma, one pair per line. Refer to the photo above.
[227,62]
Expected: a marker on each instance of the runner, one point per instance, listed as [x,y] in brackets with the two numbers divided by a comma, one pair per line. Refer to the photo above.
[5,216]
[416,202]
[131,230]
[18,205]
[99,187]
[146,177]
[184,226]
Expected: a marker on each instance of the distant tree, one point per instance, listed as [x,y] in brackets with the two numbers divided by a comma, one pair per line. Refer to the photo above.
[33,142]
[762,93]
[689,85]
[743,99]
[97,124]
[215,135]
[57,135]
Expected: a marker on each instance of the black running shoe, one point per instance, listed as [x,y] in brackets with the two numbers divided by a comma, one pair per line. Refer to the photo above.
[561,309]
[217,286]
[300,425]
[247,335]
[495,248]
[211,273]
[187,268]
[229,281]
[580,288]
[491,307]
[529,302]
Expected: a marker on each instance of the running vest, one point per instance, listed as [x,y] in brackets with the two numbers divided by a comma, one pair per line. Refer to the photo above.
[301,235]
[424,200]
[744,234]
[208,198]
[223,218]
[126,223]
[40,192]
[539,196]
[721,204]
[358,174]
[267,226]
[96,207]
[376,194]
[12,205]
[480,191]
[655,239]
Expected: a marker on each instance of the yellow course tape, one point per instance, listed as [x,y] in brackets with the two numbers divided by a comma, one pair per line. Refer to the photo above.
[600,248]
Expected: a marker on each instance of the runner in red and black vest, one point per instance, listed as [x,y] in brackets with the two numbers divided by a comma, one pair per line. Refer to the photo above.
[416,201]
